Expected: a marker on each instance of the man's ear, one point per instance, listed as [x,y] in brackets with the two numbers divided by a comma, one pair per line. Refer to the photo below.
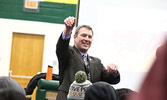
[75,37]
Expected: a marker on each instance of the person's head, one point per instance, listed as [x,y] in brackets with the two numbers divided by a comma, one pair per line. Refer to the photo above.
[78,87]
[11,89]
[83,38]
[100,91]
[124,93]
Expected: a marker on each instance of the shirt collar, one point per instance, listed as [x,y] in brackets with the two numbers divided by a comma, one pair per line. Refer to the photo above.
[83,54]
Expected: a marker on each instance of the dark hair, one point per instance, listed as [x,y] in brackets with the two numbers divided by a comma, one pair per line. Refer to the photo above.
[81,26]
[11,95]
[10,89]
[100,91]
[123,93]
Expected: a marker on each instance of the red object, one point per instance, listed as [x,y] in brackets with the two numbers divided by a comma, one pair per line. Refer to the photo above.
[154,86]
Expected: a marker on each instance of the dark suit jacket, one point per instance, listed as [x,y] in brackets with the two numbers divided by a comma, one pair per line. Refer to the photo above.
[71,61]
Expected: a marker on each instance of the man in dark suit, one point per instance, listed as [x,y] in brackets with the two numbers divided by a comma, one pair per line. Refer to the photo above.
[71,59]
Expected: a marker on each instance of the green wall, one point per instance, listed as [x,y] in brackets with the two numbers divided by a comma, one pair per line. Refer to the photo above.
[48,11]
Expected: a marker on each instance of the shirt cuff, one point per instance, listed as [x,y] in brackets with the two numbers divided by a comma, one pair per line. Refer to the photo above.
[115,75]
[66,37]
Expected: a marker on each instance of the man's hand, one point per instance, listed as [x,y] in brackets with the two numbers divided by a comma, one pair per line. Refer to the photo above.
[69,23]
[112,68]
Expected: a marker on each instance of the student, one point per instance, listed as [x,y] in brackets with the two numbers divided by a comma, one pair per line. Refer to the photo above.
[11,89]
[73,59]
[124,93]
[100,91]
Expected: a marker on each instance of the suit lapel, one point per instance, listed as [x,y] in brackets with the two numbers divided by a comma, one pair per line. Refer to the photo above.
[78,54]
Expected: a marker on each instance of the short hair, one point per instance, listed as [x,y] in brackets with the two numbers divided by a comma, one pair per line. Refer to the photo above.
[100,91]
[124,93]
[10,89]
[81,26]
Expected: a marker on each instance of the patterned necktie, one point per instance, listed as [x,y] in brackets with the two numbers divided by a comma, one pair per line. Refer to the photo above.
[86,65]
[85,59]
